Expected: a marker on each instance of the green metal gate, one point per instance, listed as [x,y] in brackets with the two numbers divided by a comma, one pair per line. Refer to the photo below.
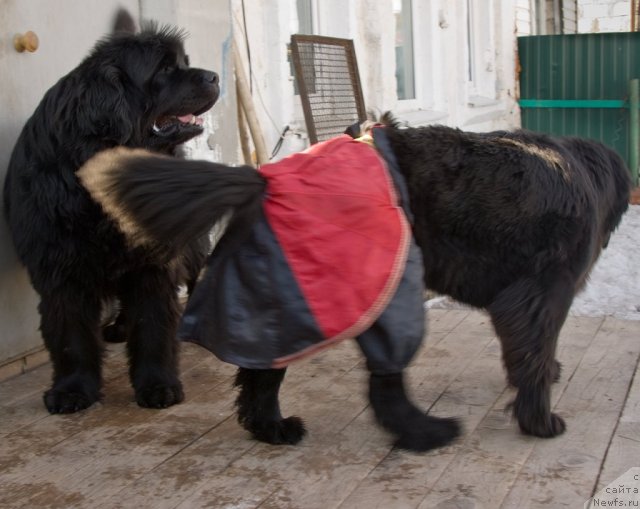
[583,85]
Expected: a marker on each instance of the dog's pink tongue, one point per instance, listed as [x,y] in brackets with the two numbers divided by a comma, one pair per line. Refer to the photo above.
[185,119]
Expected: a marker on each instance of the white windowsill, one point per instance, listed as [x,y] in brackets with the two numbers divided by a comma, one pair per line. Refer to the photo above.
[418,118]
[480,101]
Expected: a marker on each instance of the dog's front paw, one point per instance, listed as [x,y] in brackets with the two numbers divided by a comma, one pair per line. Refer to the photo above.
[159,395]
[546,427]
[277,432]
[413,429]
[60,401]
[425,432]
[72,393]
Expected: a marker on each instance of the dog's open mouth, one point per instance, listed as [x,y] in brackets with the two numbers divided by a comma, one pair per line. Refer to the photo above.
[168,123]
[182,122]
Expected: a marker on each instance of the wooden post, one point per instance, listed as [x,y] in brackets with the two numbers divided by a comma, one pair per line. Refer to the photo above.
[245,141]
[244,97]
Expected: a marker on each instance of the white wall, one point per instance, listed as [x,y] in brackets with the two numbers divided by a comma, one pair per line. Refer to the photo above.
[525,17]
[441,58]
[268,24]
[604,16]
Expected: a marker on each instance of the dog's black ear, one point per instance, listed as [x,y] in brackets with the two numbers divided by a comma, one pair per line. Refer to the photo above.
[108,114]
[124,22]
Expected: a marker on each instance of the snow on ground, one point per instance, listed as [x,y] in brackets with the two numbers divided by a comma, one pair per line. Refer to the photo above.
[614,285]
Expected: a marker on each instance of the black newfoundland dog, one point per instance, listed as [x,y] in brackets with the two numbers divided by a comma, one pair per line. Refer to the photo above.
[133,90]
[511,222]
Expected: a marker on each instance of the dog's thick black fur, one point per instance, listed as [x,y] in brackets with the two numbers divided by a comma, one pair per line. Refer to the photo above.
[507,221]
[513,222]
[133,90]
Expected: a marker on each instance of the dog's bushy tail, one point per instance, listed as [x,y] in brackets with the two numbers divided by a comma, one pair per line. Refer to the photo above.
[163,202]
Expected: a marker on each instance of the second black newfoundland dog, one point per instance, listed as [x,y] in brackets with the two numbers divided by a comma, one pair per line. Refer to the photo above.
[511,222]
[133,90]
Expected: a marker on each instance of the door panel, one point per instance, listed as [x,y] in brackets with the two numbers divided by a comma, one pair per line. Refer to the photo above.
[66,30]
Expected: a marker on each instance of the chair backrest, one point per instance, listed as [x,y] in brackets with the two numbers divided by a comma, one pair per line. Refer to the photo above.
[326,72]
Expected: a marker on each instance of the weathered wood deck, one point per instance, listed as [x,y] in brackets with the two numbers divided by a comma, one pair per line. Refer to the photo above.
[194,455]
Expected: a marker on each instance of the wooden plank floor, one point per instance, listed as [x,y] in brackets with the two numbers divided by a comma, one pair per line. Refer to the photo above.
[193,455]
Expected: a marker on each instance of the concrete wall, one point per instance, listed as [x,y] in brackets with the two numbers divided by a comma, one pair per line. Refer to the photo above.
[67,30]
[604,16]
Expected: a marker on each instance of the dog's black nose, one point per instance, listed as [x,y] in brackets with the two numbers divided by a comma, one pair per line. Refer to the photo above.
[211,77]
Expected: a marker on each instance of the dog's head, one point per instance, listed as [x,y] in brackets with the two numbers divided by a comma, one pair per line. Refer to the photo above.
[141,92]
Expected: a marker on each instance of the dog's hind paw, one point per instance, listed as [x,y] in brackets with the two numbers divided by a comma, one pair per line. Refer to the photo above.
[413,429]
[160,395]
[284,431]
[549,427]
[68,402]
[427,432]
